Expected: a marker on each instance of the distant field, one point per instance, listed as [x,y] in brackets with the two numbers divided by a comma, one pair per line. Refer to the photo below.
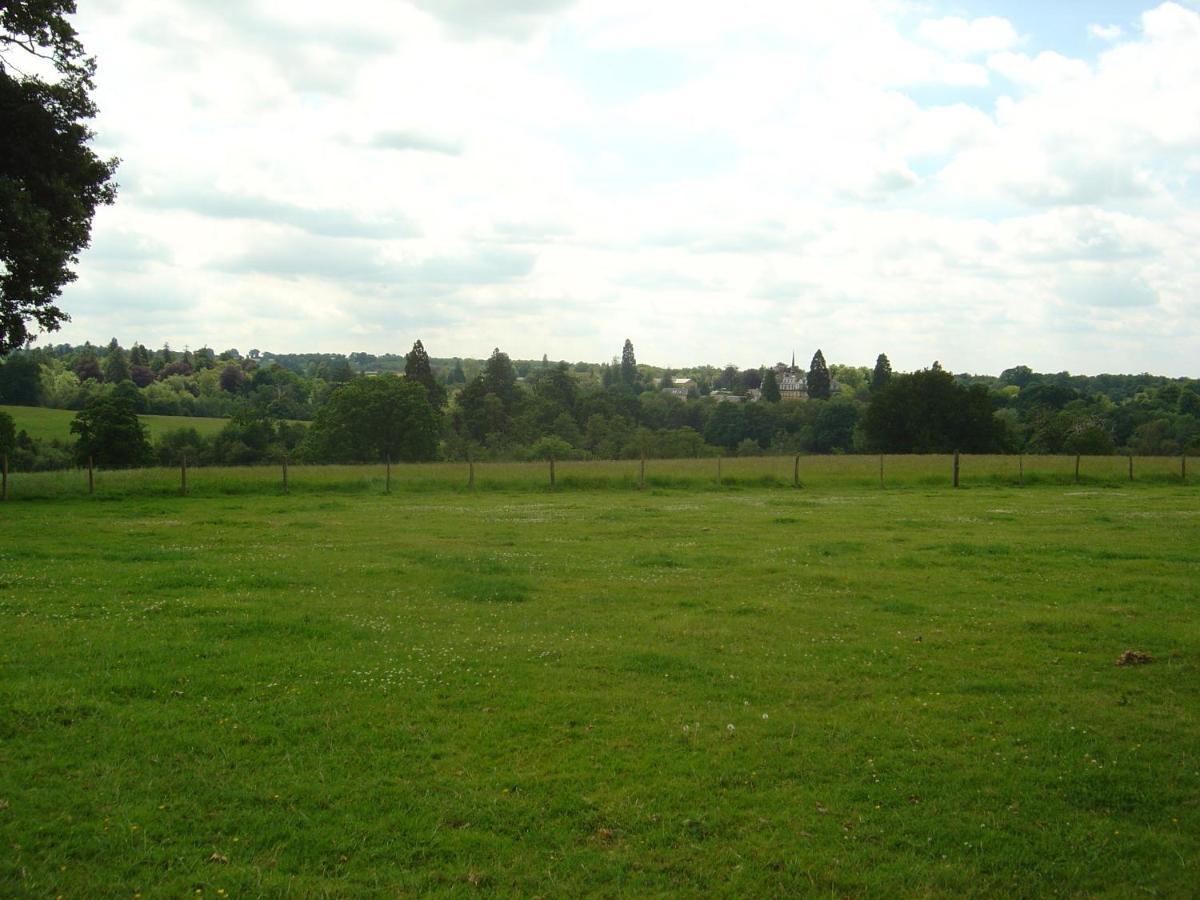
[754,691]
[56,423]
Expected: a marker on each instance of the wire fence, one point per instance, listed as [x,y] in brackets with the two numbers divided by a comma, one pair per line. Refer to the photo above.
[720,473]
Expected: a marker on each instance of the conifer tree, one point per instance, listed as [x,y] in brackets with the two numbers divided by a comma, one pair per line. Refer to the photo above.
[417,368]
[116,363]
[882,374]
[770,386]
[819,385]
[628,363]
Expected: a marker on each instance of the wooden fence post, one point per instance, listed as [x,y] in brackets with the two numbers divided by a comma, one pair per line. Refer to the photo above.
[642,474]
[552,482]
[91,477]
[718,470]
[1183,466]
[796,471]
[4,482]
[1131,467]
[285,482]
[183,474]
[470,472]
[387,478]
[1021,468]
[1077,455]
[956,468]
[881,470]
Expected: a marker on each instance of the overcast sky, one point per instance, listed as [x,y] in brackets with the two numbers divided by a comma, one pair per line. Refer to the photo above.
[987,184]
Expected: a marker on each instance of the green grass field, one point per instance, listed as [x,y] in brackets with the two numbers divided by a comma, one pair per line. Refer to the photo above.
[49,424]
[742,692]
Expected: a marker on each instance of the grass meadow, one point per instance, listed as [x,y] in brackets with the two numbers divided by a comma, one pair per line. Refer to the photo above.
[51,424]
[690,690]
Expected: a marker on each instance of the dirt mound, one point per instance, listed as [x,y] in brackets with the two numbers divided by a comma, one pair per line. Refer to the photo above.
[1134,658]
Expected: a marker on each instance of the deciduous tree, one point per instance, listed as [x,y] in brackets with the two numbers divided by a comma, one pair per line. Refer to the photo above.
[110,433]
[370,418]
[50,179]
[928,412]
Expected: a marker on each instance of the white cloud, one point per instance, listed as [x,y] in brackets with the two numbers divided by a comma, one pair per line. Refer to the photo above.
[765,178]
[960,37]
[1105,32]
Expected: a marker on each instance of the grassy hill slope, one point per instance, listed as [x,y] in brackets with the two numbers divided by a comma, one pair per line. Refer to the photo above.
[56,423]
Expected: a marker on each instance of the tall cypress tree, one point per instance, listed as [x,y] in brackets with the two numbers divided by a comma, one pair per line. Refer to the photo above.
[819,386]
[417,368]
[882,374]
[628,363]
[770,386]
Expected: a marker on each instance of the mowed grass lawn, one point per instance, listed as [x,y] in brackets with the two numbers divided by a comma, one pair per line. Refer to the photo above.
[50,424]
[742,692]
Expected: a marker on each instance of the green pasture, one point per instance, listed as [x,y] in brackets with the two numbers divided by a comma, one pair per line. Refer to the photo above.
[50,424]
[837,690]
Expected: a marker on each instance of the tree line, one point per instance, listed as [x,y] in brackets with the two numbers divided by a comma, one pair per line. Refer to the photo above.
[358,408]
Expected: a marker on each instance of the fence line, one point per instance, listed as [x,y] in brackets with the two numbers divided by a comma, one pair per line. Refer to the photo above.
[957,470]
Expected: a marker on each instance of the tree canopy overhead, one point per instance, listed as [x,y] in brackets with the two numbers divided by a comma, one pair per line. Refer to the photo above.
[50,179]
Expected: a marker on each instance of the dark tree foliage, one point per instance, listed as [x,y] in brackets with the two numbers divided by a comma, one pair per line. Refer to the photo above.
[1018,375]
[499,378]
[369,419]
[142,376]
[110,433]
[628,364]
[116,363]
[20,382]
[727,380]
[87,368]
[1049,396]
[50,179]
[179,367]
[928,412]
[882,374]
[770,386]
[418,369]
[750,379]
[232,379]
[832,427]
[8,433]
[820,385]
[557,386]
[479,412]
[726,427]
